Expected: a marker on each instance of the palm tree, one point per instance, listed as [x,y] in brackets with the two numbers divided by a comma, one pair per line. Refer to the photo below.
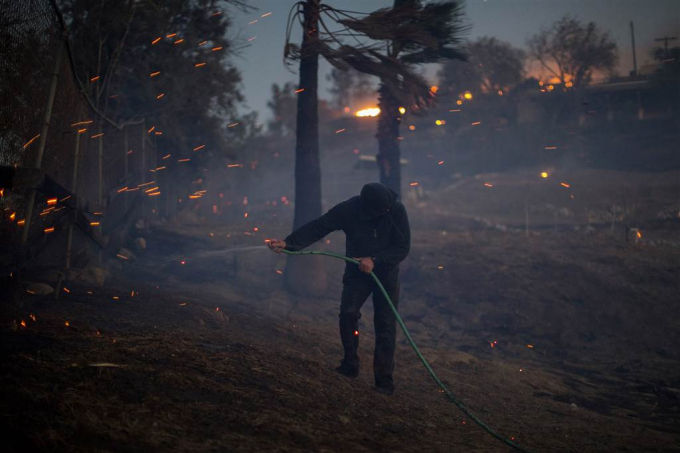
[412,34]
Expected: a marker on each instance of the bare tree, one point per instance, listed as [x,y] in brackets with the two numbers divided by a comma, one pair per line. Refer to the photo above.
[572,51]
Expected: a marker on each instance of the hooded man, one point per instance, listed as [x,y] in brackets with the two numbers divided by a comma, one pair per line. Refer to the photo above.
[378,236]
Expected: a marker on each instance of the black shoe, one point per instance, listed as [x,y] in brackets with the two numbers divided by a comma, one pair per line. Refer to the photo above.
[385,389]
[348,370]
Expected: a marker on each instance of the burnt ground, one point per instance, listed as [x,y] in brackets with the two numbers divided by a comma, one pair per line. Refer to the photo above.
[213,355]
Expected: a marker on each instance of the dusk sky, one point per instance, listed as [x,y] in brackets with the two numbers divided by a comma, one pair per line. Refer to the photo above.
[513,21]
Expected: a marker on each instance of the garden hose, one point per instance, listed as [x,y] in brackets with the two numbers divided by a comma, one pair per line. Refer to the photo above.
[441,385]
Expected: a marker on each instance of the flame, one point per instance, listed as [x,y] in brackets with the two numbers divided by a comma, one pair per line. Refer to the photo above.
[368,112]
[544,174]
[402,110]
[467,95]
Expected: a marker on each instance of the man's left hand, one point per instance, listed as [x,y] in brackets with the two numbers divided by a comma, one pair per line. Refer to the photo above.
[366,264]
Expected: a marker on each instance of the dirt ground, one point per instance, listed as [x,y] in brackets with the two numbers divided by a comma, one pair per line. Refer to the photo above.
[561,336]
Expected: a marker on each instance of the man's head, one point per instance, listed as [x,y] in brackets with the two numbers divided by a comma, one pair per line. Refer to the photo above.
[376,199]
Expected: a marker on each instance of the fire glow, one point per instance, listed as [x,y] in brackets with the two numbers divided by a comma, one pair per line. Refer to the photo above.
[368,112]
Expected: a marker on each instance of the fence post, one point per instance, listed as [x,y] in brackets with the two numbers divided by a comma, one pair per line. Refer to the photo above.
[74,192]
[43,137]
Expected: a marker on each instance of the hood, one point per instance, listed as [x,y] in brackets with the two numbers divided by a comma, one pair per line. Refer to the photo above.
[376,199]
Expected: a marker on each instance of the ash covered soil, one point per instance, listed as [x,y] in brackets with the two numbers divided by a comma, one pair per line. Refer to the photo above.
[564,339]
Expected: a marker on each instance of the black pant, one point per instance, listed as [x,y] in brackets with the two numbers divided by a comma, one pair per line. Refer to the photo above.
[356,288]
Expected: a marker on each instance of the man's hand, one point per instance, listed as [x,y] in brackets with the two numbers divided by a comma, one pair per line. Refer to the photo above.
[366,264]
[277,245]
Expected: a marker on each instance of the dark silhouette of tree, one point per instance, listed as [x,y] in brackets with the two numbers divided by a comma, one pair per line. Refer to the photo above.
[492,65]
[411,34]
[572,51]
[193,91]
[283,105]
[349,87]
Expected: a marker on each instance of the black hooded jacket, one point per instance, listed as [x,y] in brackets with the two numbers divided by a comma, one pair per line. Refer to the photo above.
[375,224]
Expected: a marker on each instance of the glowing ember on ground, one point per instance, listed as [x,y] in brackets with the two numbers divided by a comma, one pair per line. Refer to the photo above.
[154,74]
[199,147]
[156,41]
[414,183]
[493,343]
[488,184]
[49,230]
[564,184]
[198,65]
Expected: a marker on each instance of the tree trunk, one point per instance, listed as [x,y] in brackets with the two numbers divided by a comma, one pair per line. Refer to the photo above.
[305,275]
[388,140]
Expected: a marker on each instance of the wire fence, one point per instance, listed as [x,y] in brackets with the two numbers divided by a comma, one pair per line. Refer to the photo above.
[47,123]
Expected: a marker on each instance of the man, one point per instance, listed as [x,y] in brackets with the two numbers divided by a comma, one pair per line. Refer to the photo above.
[378,236]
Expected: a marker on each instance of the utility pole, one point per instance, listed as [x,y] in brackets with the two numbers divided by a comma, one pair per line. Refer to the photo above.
[632,40]
[665,40]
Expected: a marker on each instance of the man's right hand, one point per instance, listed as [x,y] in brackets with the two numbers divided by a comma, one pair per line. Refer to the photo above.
[277,245]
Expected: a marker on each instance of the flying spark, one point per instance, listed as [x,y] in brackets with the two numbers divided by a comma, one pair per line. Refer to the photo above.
[28,143]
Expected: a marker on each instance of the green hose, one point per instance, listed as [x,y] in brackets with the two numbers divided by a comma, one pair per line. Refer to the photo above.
[441,385]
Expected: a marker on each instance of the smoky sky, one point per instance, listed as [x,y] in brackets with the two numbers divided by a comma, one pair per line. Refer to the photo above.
[261,65]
